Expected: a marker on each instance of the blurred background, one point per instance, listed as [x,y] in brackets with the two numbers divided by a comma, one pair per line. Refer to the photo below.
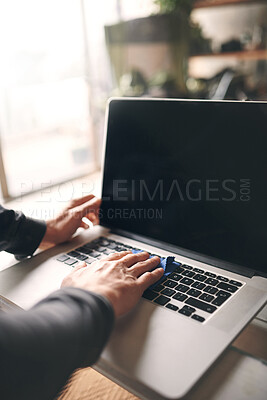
[62,59]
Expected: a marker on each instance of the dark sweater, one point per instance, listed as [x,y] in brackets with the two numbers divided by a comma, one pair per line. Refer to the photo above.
[40,348]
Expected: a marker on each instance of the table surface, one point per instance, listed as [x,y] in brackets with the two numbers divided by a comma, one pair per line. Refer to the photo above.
[239,374]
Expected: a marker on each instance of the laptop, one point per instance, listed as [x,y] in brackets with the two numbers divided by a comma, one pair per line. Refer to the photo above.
[183,179]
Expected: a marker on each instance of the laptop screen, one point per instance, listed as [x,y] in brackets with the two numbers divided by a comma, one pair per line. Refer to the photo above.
[191,174]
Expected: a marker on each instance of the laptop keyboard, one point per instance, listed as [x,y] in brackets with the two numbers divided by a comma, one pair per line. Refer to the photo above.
[190,291]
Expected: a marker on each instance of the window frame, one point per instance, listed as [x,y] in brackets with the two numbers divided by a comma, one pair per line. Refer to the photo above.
[6,196]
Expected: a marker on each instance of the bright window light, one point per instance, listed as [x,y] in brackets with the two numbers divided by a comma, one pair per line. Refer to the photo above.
[44,94]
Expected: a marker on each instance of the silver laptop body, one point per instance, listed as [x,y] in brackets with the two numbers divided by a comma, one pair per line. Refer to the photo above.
[158,351]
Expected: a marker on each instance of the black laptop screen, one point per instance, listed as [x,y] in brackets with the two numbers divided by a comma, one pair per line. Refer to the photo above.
[192,174]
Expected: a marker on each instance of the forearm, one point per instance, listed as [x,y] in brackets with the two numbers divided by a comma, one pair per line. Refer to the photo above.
[20,235]
[40,348]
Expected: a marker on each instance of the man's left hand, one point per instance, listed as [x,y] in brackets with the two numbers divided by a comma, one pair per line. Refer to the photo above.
[63,227]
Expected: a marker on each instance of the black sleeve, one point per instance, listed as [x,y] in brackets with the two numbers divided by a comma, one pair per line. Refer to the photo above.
[40,348]
[20,235]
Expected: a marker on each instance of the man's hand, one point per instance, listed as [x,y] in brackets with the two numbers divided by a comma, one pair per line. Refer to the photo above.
[121,278]
[63,227]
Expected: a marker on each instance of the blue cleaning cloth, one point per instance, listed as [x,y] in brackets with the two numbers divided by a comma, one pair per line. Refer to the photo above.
[168,264]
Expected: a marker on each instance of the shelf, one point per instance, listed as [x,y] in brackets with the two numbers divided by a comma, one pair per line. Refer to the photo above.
[215,3]
[239,55]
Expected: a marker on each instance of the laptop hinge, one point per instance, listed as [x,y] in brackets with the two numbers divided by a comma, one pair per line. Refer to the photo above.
[249,273]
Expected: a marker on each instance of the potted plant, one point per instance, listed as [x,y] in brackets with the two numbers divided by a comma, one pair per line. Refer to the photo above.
[130,42]
[172,6]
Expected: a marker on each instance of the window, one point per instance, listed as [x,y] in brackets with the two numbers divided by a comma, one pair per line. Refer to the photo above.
[55,79]
[44,95]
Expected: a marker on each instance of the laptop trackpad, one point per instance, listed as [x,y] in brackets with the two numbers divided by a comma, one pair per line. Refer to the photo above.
[149,346]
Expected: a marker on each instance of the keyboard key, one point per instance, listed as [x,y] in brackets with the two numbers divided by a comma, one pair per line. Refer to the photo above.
[104,242]
[111,246]
[63,258]
[235,283]
[162,280]
[182,288]
[211,281]
[139,250]
[96,240]
[180,296]
[119,248]
[198,285]
[189,274]
[222,293]
[186,266]
[207,297]
[94,254]
[222,278]
[81,249]
[71,261]
[190,309]
[175,276]
[200,278]
[201,305]
[87,250]
[170,283]
[100,249]
[84,250]
[158,288]
[179,270]
[107,252]
[210,290]
[210,274]
[149,294]
[73,253]
[194,292]
[90,260]
[172,307]
[198,318]
[128,247]
[162,300]
[198,270]
[227,287]
[221,298]
[187,281]
[186,311]
[81,257]
[168,292]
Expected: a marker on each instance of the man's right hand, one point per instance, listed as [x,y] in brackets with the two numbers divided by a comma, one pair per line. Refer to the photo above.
[121,278]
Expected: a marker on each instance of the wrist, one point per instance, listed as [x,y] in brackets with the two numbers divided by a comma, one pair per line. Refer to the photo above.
[50,236]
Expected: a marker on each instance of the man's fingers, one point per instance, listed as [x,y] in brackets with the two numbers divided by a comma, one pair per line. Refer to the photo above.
[132,259]
[84,225]
[91,206]
[96,221]
[149,278]
[144,266]
[93,218]
[81,200]
[80,265]
[128,257]
[116,256]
